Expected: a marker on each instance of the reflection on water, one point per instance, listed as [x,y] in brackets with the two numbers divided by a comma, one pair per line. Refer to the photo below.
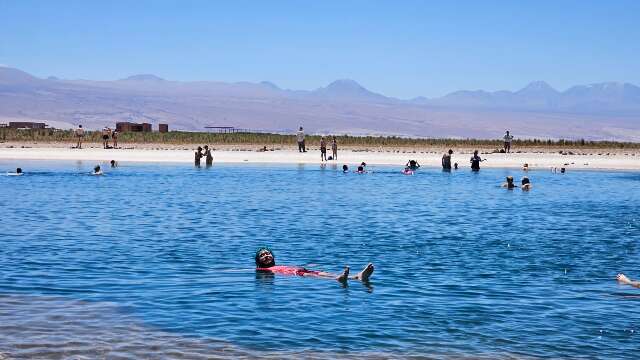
[154,261]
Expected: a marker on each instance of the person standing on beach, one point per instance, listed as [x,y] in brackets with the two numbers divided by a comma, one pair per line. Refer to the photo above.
[334,148]
[300,138]
[323,149]
[114,137]
[198,156]
[207,154]
[507,141]
[446,160]
[79,134]
[475,161]
[105,137]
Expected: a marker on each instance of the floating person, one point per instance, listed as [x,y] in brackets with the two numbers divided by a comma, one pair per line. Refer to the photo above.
[525,184]
[361,169]
[408,171]
[80,135]
[265,261]
[113,163]
[455,166]
[509,184]
[475,161]
[345,169]
[623,279]
[208,157]
[412,164]
[323,149]
[446,160]
[198,156]
[97,170]
[17,173]
[334,148]
[300,139]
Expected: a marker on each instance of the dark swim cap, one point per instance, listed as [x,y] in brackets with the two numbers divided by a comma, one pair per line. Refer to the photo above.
[257,257]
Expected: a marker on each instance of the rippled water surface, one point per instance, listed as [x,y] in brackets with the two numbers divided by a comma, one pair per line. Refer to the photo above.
[156,261]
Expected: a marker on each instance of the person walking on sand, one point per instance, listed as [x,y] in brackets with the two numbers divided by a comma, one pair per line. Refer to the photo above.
[323,149]
[207,154]
[507,141]
[334,148]
[446,160]
[300,138]
[475,161]
[79,134]
[114,137]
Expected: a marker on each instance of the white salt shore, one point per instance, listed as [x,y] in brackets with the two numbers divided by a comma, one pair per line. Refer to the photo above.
[600,159]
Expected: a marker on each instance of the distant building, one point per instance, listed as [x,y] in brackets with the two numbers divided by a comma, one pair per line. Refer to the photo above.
[132,127]
[26,125]
[163,128]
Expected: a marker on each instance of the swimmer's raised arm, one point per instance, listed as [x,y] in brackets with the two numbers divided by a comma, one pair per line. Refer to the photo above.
[625,280]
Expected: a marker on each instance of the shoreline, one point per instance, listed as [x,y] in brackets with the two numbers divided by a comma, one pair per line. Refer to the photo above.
[537,158]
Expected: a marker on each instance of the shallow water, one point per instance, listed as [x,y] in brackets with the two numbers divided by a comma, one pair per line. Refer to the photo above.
[156,261]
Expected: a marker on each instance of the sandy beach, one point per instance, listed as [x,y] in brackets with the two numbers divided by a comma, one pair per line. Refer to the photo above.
[596,159]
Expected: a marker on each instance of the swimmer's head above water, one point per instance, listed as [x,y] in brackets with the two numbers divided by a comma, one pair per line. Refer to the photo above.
[265,258]
[19,171]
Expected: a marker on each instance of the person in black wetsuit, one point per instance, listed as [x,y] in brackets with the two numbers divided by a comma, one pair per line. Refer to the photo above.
[207,155]
[475,161]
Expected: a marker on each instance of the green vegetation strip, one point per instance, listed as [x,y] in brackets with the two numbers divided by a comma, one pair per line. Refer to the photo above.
[185,137]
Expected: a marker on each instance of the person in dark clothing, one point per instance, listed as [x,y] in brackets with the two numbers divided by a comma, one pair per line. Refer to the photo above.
[446,160]
[198,156]
[475,161]
[207,155]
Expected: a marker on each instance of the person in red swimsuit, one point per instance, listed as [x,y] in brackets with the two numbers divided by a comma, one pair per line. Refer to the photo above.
[265,261]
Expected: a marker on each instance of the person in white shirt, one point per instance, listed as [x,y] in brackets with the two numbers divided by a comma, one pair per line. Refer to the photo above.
[507,141]
[300,138]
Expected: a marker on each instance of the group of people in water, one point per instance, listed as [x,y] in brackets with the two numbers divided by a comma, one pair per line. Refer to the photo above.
[199,154]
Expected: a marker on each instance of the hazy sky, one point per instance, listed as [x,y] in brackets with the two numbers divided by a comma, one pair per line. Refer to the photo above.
[398,48]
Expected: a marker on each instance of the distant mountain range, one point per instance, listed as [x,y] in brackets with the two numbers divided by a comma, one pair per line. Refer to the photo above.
[597,111]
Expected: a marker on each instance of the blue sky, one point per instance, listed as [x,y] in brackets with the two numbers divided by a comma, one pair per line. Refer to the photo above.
[398,48]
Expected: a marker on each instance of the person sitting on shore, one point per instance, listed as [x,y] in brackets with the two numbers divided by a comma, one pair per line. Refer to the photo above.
[525,184]
[475,161]
[413,164]
[97,170]
[345,169]
[623,279]
[265,261]
[509,184]
[446,160]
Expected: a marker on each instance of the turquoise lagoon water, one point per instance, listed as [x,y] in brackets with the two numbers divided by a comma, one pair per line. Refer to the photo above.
[156,261]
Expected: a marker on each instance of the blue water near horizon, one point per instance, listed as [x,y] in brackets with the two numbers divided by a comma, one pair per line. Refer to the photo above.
[463,266]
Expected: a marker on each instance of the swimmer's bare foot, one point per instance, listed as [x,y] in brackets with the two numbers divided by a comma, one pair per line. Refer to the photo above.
[365,273]
[344,276]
